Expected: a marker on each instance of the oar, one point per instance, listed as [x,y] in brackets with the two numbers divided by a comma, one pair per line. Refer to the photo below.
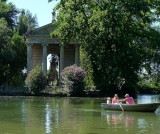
[121,106]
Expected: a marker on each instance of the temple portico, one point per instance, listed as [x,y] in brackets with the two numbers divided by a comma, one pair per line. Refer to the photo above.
[40,45]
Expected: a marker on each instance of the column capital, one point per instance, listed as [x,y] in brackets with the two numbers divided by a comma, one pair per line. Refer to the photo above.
[29,44]
[61,45]
[45,44]
[77,45]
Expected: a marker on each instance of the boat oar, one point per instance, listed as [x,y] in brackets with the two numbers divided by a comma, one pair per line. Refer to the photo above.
[121,106]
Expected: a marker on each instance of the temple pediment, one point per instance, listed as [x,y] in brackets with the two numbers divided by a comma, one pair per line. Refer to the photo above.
[44,30]
[42,35]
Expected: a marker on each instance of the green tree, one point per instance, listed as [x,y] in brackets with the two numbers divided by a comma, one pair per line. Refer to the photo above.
[20,61]
[117,35]
[86,64]
[7,55]
[9,12]
[12,55]
[26,21]
[12,46]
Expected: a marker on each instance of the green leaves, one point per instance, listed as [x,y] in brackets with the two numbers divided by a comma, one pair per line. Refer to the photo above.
[26,21]
[5,34]
[9,12]
[115,35]
[12,46]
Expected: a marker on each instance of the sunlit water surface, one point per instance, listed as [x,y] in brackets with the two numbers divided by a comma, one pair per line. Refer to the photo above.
[38,115]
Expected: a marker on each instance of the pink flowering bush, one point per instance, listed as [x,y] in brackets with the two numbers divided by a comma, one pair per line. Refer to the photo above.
[73,79]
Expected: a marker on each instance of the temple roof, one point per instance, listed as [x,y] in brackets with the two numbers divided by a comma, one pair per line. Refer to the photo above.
[44,30]
[42,35]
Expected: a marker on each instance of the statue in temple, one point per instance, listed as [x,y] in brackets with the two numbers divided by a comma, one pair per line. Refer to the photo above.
[53,69]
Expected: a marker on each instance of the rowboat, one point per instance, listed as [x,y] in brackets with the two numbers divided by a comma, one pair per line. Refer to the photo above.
[147,107]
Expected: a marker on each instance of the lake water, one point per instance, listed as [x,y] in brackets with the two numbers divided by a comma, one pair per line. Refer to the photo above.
[38,115]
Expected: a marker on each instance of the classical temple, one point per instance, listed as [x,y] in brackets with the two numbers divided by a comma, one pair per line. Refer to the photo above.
[40,45]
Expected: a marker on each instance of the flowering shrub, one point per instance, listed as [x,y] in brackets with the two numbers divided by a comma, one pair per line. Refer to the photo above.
[73,79]
[36,80]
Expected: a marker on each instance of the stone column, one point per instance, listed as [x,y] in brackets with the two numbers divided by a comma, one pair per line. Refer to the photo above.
[29,57]
[44,58]
[77,55]
[61,59]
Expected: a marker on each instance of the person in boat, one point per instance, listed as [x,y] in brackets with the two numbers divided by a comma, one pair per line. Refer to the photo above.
[115,99]
[108,100]
[128,99]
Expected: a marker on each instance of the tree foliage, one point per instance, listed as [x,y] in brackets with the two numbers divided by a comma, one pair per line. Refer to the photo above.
[9,12]
[12,55]
[6,55]
[12,46]
[26,21]
[118,36]
[86,64]
[5,34]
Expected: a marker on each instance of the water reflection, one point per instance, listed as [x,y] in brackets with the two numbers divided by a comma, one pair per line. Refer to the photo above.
[114,118]
[148,98]
[56,116]
[128,121]
[48,119]
[51,118]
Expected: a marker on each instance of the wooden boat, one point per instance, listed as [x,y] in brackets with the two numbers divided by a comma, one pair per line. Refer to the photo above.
[147,107]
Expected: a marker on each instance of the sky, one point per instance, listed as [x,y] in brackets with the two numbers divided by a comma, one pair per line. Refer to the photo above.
[41,8]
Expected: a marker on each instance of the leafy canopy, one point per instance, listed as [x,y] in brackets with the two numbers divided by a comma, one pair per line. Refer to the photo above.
[118,36]
[9,12]
[26,21]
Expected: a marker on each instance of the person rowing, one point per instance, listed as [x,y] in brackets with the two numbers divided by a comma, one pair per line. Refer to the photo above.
[128,99]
